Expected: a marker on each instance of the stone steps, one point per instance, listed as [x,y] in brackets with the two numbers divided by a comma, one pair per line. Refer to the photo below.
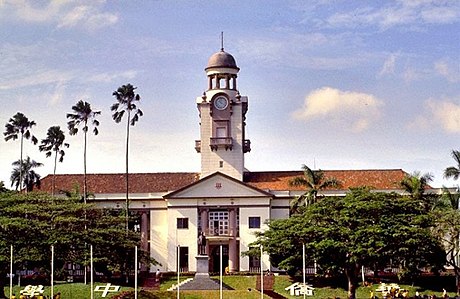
[200,282]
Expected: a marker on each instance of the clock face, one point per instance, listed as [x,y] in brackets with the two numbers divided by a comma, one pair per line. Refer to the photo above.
[221,103]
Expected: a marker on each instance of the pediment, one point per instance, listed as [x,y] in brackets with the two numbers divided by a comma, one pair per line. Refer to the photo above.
[218,185]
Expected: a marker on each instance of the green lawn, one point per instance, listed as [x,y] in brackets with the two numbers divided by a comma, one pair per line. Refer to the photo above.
[244,288]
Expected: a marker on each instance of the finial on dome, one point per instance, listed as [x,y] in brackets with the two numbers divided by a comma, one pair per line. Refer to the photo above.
[222,41]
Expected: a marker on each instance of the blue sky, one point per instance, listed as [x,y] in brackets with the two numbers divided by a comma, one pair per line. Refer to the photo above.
[331,84]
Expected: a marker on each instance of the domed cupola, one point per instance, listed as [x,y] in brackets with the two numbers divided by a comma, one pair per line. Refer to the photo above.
[222,71]
[221,59]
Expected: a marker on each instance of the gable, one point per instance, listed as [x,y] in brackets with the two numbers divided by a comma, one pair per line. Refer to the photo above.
[218,185]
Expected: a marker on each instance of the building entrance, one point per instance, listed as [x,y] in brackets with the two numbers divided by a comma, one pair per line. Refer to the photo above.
[214,263]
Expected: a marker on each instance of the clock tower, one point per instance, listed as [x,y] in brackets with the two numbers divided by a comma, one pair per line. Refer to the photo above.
[222,119]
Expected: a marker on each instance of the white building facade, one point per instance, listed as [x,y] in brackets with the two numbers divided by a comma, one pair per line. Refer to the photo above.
[224,201]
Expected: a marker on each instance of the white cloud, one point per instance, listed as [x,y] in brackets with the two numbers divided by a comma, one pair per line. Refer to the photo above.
[312,51]
[398,13]
[443,68]
[353,110]
[41,77]
[389,64]
[110,77]
[87,16]
[443,113]
[64,13]
[446,113]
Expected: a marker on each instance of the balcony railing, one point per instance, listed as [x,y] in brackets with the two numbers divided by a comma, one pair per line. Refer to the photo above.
[221,142]
[220,232]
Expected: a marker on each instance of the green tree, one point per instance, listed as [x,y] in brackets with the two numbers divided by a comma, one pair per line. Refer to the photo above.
[54,142]
[33,222]
[2,187]
[126,103]
[416,184]
[19,126]
[447,218]
[313,181]
[24,175]
[83,115]
[453,171]
[363,228]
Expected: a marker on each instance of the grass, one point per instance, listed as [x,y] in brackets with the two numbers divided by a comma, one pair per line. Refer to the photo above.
[244,288]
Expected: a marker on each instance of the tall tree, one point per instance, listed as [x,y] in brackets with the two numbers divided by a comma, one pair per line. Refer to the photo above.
[416,184]
[126,103]
[54,142]
[313,181]
[453,171]
[447,218]
[32,222]
[362,229]
[24,175]
[19,126]
[83,115]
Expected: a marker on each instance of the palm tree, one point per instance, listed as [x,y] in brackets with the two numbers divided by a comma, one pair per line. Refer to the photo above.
[19,126]
[453,171]
[82,115]
[126,103]
[54,142]
[415,184]
[23,175]
[313,181]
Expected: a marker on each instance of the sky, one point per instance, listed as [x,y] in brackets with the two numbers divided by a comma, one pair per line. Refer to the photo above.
[331,84]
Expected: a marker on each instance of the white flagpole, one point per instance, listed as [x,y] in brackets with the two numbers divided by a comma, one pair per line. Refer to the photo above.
[261,274]
[91,267]
[11,271]
[220,288]
[178,270]
[52,271]
[135,272]
[303,272]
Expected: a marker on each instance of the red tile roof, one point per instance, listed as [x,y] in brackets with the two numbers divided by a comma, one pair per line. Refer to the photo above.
[381,179]
[115,182]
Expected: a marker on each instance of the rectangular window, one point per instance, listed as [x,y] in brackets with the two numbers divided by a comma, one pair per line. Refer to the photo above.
[254,222]
[182,223]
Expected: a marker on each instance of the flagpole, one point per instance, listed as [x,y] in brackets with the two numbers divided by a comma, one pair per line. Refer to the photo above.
[220,288]
[261,274]
[135,272]
[11,271]
[178,270]
[91,266]
[52,271]
[303,272]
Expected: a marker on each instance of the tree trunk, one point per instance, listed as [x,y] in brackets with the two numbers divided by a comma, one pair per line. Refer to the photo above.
[352,277]
[54,173]
[84,170]
[457,281]
[2,285]
[20,165]
[127,172]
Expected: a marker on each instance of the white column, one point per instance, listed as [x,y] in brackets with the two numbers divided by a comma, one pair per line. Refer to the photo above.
[232,250]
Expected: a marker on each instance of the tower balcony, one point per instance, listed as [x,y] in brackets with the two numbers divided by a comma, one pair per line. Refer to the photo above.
[247,146]
[198,146]
[221,142]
